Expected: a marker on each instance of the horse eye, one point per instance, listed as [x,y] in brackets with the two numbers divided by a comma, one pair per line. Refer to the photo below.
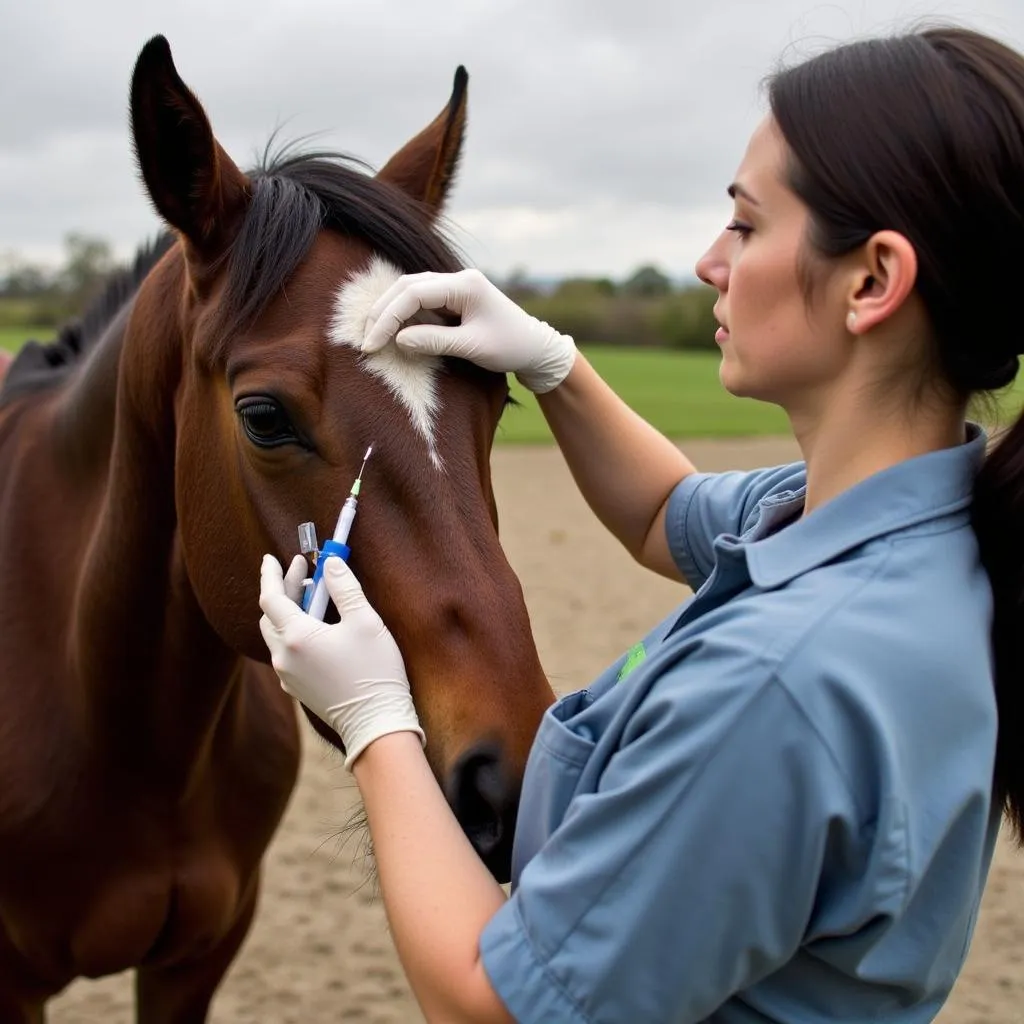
[266,423]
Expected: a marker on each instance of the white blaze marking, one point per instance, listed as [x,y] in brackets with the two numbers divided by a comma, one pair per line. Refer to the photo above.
[410,378]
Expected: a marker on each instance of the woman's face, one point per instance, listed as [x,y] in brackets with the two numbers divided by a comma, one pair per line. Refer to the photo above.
[774,346]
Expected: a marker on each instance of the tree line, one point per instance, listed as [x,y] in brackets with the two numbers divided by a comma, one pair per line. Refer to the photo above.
[645,309]
[35,295]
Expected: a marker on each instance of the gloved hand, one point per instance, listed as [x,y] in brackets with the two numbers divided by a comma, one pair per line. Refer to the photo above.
[494,333]
[350,674]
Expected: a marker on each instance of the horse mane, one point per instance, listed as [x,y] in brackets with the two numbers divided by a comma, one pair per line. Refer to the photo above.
[40,366]
[294,196]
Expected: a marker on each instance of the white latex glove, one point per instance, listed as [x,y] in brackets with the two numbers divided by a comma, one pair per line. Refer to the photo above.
[494,333]
[350,674]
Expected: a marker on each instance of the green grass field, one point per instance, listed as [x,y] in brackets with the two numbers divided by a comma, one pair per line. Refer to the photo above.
[11,338]
[679,392]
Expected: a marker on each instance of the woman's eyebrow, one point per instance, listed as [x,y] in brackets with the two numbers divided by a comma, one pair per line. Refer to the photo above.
[736,189]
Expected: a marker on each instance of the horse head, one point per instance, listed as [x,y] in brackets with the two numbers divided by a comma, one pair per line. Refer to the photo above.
[255,311]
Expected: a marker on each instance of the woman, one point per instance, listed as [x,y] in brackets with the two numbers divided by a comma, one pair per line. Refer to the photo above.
[782,805]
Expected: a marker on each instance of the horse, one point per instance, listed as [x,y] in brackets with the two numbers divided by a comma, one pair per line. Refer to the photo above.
[208,403]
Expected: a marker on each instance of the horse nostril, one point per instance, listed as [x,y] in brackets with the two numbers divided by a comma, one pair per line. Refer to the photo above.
[485,801]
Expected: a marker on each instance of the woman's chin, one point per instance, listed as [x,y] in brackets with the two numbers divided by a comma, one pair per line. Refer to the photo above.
[729,378]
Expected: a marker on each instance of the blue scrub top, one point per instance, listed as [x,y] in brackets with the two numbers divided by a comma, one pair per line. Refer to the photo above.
[778,807]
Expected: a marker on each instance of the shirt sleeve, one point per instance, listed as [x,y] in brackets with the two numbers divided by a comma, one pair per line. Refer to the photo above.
[688,875]
[703,506]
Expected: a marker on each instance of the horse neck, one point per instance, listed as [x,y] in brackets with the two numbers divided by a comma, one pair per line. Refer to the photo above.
[83,421]
[151,667]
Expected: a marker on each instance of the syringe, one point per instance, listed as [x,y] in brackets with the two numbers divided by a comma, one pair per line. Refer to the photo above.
[316,597]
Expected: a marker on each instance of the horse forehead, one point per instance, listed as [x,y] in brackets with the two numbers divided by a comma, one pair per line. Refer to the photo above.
[411,379]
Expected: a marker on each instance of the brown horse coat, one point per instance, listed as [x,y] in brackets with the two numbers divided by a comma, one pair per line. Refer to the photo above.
[148,457]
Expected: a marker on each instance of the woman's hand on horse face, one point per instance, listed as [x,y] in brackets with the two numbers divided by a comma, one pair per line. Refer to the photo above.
[350,674]
[494,332]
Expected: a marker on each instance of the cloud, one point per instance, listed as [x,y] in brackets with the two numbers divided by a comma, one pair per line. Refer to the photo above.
[600,135]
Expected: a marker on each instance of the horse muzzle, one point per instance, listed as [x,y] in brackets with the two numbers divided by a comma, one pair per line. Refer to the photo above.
[484,795]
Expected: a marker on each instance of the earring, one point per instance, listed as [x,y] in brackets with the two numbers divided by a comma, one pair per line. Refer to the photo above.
[851,319]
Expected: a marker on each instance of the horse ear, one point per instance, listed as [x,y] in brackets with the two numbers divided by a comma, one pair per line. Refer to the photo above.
[425,166]
[192,182]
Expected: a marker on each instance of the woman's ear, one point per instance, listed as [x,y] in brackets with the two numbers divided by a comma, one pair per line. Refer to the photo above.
[882,280]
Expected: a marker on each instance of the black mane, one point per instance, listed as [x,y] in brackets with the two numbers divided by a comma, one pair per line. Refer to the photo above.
[41,365]
[293,198]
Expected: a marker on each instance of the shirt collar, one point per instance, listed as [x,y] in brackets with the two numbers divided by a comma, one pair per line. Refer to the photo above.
[914,491]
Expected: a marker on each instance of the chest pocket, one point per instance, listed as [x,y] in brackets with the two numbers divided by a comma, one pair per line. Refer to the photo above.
[561,751]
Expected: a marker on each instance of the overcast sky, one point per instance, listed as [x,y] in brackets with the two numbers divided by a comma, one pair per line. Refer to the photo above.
[601,134]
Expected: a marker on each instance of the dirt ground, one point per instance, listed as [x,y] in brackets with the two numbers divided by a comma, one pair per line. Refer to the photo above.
[320,950]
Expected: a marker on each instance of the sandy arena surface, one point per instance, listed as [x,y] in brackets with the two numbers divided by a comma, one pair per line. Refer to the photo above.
[320,950]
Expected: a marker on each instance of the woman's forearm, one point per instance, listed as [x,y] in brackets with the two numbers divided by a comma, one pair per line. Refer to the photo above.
[437,893]
[624,468]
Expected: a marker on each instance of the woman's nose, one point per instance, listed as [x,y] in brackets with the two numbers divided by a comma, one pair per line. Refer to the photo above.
[713,268]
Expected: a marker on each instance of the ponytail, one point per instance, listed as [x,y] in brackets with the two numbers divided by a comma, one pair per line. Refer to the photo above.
[998,514]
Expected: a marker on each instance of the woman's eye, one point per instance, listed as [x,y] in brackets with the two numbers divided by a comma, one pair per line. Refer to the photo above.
[266,423]
[739,228]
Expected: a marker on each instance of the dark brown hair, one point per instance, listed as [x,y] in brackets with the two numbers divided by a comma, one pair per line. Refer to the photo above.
[923,134]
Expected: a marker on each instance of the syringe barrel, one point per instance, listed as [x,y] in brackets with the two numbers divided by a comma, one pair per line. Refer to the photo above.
[318,602]
[319,598]
[345,519]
